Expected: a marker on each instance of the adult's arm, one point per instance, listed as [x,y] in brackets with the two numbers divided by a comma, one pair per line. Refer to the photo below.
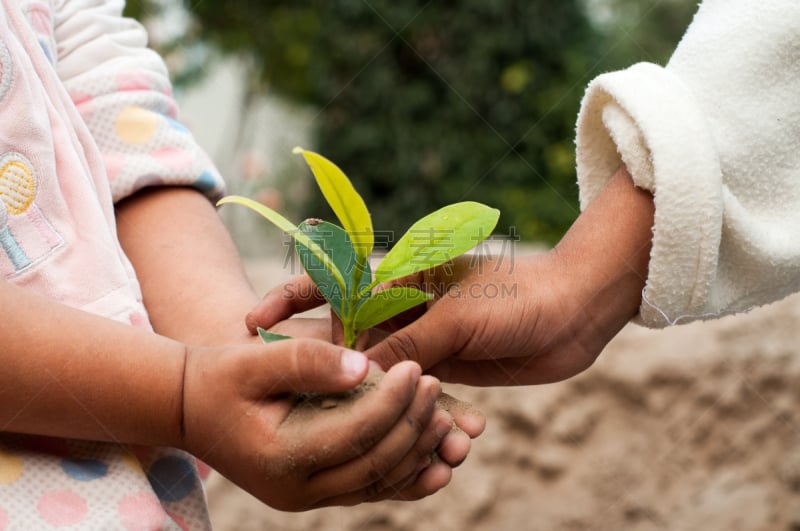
[715,137]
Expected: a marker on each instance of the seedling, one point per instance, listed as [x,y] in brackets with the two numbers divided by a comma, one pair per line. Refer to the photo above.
[337,258]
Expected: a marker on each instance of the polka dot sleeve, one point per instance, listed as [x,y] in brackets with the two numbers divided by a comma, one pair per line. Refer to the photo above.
[122,90]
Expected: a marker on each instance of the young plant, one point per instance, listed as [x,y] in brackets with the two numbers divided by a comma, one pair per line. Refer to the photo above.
[337,258]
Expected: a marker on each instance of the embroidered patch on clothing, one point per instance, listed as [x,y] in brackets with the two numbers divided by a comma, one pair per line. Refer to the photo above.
[26,236]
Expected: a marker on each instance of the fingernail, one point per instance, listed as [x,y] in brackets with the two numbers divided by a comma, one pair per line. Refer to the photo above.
[442,429]
[423,465]
[375,366]
[353,363]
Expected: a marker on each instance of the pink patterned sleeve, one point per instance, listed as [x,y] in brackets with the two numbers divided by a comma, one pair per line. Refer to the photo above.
[122,90]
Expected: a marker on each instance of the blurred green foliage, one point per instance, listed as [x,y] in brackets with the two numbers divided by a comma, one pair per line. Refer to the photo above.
[425,103]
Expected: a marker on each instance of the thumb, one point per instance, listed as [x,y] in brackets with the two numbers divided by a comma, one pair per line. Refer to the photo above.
[293,296]
[428,340]
[307,366]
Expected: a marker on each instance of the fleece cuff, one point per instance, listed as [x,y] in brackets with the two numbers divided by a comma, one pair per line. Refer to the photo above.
[646,118]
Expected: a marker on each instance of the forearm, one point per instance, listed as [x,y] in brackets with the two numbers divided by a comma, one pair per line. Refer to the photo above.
[72,374]
[605,255]
[193,282]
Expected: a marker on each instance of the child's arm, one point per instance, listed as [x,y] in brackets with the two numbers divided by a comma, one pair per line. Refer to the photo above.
[192,278]
[71,374]
[193,282]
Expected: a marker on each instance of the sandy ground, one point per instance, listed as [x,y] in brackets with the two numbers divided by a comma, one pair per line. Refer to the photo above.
[692,428]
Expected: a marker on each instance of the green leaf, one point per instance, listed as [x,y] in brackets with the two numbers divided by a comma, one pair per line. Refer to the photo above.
[288,227]
[385,304]
[438,238]
[337,245]
[345,202]
[269,337]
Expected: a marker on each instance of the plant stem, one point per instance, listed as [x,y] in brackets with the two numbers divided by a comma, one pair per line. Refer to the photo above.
[349,320]
[350,337]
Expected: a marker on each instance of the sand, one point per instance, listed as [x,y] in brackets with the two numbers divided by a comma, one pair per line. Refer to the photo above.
[691,428]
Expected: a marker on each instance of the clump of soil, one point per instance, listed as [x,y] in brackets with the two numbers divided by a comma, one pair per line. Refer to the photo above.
[312,403]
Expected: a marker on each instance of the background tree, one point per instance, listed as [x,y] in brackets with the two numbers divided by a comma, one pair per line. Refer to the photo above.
[427,103]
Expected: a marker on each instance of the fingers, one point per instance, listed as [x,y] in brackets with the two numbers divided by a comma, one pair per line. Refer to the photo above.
[407,448]
[433,469]
[294,296]
[352,429]
[421,456]
[370,337]
[301,366]
[454,447]
[468,419]
[403,483]
[433,337]
[429,481]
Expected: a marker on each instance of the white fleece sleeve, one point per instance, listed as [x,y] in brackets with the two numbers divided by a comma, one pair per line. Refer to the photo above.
[123,92]
[715,136]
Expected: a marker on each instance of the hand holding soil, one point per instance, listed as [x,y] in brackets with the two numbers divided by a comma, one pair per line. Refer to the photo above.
[253,430]
[275,312]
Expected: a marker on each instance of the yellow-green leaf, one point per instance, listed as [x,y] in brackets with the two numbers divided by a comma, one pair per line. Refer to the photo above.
[289,228]
[438,238]
[344,200]
[385,304]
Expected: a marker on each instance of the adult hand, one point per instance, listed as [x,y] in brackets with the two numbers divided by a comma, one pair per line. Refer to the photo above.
[537,319]
[518,320]
[494,322]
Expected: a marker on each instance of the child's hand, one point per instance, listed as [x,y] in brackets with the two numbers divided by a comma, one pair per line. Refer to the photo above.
[238,418]
[299,295]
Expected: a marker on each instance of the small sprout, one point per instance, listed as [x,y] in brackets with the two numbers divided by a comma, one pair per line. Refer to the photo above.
[269,337]
[337,257]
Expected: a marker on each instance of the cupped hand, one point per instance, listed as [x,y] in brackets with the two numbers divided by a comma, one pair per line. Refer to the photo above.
[238,417]
[299,295]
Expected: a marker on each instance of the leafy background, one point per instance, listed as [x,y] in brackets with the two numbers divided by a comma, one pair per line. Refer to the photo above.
[425,103]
